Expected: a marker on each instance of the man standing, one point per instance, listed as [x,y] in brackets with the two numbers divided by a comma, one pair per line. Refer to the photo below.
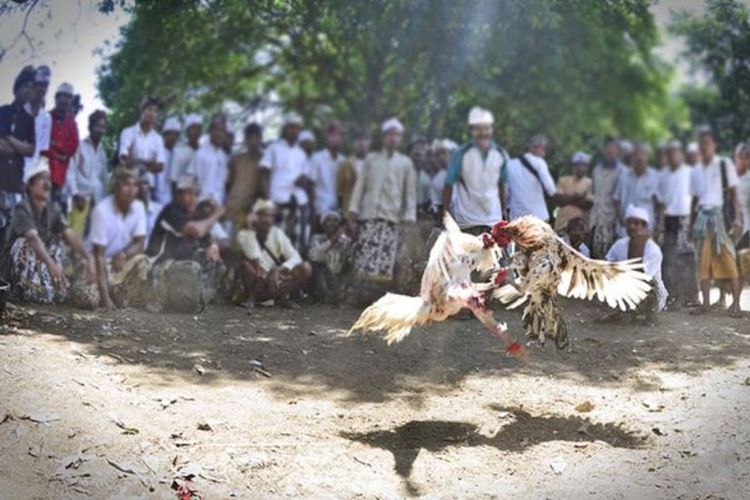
[637,185]
[141,146]
[17,136]
[162,181]
[742,161]
[351,168]
[441,155]
[325,165]
[118,232]
[87,175]
[418,154]
[529,180]
[210,163]
[63,141]
[710,179]
[243,182]
[35,107]
[604,214]
[283,179]
[384,197]
[475,174]
[673,196]
[182,158]
[576,193]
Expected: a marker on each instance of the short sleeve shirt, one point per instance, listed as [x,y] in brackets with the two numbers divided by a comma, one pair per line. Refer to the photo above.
[48,224]
[114,230]
[16,122]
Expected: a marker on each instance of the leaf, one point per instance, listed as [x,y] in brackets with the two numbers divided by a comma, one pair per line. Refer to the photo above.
[584,407]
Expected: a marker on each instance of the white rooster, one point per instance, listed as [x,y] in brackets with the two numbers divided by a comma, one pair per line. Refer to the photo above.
[446,289]
[545,267]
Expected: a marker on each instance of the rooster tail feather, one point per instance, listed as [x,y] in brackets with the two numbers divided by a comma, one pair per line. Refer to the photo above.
[393,313]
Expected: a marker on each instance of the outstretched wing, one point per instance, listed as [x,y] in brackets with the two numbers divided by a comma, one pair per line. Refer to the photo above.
[620,284]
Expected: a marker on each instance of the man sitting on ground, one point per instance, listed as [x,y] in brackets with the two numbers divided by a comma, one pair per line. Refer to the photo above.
[118,233]
[188,267]
[271,269]
[638,244]
[328,254]
[34,256]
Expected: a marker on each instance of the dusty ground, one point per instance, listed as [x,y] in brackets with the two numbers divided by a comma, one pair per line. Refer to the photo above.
[102,406]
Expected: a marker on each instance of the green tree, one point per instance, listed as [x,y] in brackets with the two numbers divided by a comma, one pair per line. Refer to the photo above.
[718,44]
[574,69]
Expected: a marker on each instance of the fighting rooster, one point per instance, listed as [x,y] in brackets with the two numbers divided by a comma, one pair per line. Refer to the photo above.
[545,267]
[446,289]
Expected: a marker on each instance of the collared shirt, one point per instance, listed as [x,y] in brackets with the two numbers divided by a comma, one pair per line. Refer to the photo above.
[144,146]
[525,191]
[387,189]
[476,179]
[424,186]
[743,197]
[277,242]
[63,142]
[638,190]
[652,259]
[210,167]
[674,191]
[181,161]
[43,129]
[604,181]
[243,184]
[114,230]
[324,171]
[162,182]
[287,162]
[705,181]
[15,121]
[49,223]
[87,174]
[569,185]
[334,256]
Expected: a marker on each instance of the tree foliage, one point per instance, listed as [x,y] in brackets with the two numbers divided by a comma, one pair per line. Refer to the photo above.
[718,43]
[574,69]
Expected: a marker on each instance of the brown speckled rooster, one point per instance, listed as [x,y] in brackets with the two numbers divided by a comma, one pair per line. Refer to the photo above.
[545,267]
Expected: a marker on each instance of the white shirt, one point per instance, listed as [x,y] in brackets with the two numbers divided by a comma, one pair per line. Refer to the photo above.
[181,161]
[42,132]
[276,241]
[162,182]
[436,188]
[476,199]
[324,169]
[286,163]
[87,174]
[135,144]
[639,191]
[152,213]
[210,167]
[743,197]
[113,230]
[705,181]
[674,191]
[525,192]
[652,258]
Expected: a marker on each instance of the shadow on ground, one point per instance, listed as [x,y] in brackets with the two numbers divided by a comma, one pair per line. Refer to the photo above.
[306,351]
[524,430]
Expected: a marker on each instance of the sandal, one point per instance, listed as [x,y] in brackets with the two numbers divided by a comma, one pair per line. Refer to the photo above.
[735,312]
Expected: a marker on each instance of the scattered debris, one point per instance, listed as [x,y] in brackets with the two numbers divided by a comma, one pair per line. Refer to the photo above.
[558,465]
[40,419]
[257,366]
[121,468]
[204,426]
[584,407]
[199,369]
[658,431]
[127,430]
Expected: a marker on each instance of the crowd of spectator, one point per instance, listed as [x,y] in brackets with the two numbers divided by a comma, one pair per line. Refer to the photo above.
[179,215]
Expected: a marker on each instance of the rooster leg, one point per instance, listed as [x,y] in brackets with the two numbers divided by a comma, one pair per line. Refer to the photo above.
[478,306]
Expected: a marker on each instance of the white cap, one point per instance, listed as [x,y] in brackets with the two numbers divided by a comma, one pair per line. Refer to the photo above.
[193,119]
[692,148]
[171,124]
[263,204]
[65,88]
[626,146]
[292,118]
[330,213]
[639,213]
[306,135]
[480,116]
[581,157]
[446,144]
[674,144]
[40,165]
[392,123]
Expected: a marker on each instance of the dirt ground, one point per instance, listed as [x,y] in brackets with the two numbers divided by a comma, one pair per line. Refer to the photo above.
[282,403]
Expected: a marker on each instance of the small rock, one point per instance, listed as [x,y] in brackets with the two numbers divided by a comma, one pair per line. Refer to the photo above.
[199,369]
[584,407]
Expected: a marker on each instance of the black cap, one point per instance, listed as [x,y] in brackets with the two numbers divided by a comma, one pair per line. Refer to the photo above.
[27,74]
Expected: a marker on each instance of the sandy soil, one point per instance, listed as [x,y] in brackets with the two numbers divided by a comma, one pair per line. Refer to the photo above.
[284,404]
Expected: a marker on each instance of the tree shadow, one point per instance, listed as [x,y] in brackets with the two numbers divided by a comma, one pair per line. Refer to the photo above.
[524,431]
[306,352]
